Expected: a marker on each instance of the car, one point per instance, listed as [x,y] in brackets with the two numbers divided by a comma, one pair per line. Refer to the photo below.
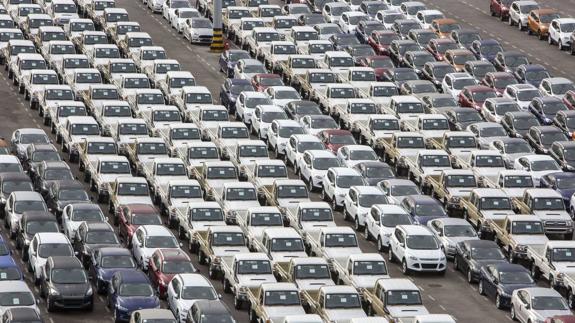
[44,245]
[517,124]
[423,208]
[230,91]
[341,41]
[458,57]
[559,31]
[351,155]
[261,82]
[472,255]
[494,109]
[542,137]
[92,236]
[380,40]
[426,17]
[397,189]
[21,314]
[411,8]
[348,21]
[438,47]
[511,149]
[164,265]
[33,222]
[537,166]
[316,124]
[152,315]
[16,294]
[185,289]
[282,95]
[474,96]
[539,20]
[478,69]
[17,203]
[556,86]
[75,214]
[229,58]
[519,12]
[509,61]
[486,132]
[297,109]
[422,36]
[500,8]
[130,290]
[437,102]
[399,47]
[436,71]
[49,172]
[22,138]
[247,68]
[453,83]
[374,172]
[105,262]
[147,239]
[416,249]
[546,108]
[537,304]
[499,281]
[417,60]
[569,99]
[460,118]
[11,182]
[204,311]
[562,182]
[63,193]
[334,139]
[399,75]
[132,216]
[381,221]
[443,27]
[179,17]
[357,204]
[336,184]
[465,37]
[564,120]
[499,81]
[486,49]
[65,284]
[37,153]
[450,232]
[531,74]
[523,94]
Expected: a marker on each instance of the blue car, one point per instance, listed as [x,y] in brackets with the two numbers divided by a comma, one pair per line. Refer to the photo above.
[545,108]
[531,74]
[107,261]
[562,182]
[130,290]
[9,270]
[5,252]
[423,208]
[486,49]
[498,281]
[229,58]
[230,91]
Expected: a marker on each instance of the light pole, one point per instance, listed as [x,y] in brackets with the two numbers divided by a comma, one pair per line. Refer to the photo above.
[218,38]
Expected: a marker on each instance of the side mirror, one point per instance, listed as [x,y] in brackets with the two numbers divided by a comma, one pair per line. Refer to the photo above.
[527,306]
[402,244]
[219,296]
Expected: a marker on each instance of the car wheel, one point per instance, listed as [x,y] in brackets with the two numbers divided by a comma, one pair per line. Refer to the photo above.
[541,36]
[334,204]
[381,247]
[455,263]
[560,45]
[470,276]
[534,270]
[480,287]
[366,233]
[358,227]
[510,21]
[498,303]
[571,299]
[115,316]
[513,315]
[391,256]
[323,196]
[404,268]
[227,287]
[212,273]
[238,304]
[50,305]
[550,40]
[310,185]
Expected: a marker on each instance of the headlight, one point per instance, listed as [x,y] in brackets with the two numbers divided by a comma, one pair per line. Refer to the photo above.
[89,292]
[53,292]
[121,308]
[413,258]
[503,293]
[442,257]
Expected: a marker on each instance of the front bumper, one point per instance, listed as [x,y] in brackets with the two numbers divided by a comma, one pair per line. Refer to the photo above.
[426,265]
[71,302]
[202,39]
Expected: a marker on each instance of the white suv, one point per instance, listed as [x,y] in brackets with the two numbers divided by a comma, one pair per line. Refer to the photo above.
[149,238]
[336,184]
[43,246]
[358,201]
[381,221]
[560,31]
[417,249]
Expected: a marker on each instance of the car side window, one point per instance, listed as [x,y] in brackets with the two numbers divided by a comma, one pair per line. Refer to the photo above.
[176,286]
[375,215]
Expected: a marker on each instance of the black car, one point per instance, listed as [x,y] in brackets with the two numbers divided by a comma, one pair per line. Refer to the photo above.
[62,193]
[33,222]
[21,315]
[564,153]
[37,153]
[49,172]
[204,311]
[498,281]
[399,75]
[398,48]
[230,91]
[517,124]
[417,60]
[478,69]
[460,118]
[465,37]
[542,137]
[436,71]
[565,120]
[11,182]
[423,208]
[65,284]
[359,52]
[297,109]
[509,61]
[433,102]
[91,236]
[471,255]
[311,19]
[374,172]
[403,26]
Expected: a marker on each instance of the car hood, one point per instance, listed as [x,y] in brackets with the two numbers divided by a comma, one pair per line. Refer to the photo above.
[253,281]
[72,289]
[552,215]
[229,250]
[278,313]
[138,302]
[496,214]
[313,284]
[407,311]
[530,240]
[366,281]
[344,315]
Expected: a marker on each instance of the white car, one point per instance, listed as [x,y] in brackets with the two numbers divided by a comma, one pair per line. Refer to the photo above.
[169,6]
[556,86]
[450,231]
[425,17]
[453,83]
[73,215]
[198,31]
[313,165]
[349,20]
[351,155]
[247,102]
[537,304]
[519,12]
[279,133]
[149,238]
[314,124]
[381,221]
[282,95]
[24,137]
[263,117]
[522,94]
[16,294]
[537,166]
[397,189]
[43,246]
[358,201]
[247,68]
[388,17]
[298,145]
[179,17]
[560,31]
[336,184]
[17,203]
[416,249]
[411,8]
[155,5]
[494,109]
[185,289]
[332,11]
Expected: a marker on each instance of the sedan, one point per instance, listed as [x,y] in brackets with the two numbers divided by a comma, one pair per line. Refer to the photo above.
[472,255]
[474,96]
[537,304]
[498,281]
[130,290]
[107,261]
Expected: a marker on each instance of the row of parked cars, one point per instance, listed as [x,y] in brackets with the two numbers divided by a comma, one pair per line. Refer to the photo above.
[545,23]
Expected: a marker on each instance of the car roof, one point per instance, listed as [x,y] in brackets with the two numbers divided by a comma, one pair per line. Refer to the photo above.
[193,279]
[156,230]
[413,229]
[211,307]
[397,284]
[14,286]
[132,276]
[38,216]
[509,267]
[173,254]
[14,176]
[115,251]
[27,196]
[65,262]
[24,313]
[155,314]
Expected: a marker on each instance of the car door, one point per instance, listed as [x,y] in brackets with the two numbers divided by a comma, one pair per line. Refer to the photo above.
[113,291]
[372,222]
[350,202]
[137,241]
[173,294]
[329,185]
[490,285]
[395,241]
[154,270]
[400,253]
[522,306]
[32,252]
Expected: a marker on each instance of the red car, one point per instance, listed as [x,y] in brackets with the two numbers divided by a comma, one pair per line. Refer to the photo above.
[132,216]
[438,47]
[500,8]
[379,63]
[165,264]
[380,40]
[498,81]
[561,319]
[334,139]
[473,96]
[569,99]
[261,82]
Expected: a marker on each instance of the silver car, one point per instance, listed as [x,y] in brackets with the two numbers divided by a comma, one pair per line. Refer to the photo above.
[536,304]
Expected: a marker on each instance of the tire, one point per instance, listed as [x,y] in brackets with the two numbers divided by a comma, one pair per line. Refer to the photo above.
[498,303]
[238,304]
[480,287]
[310,187]
[560,45]
[540,35]
[534,271]
[512,314]
[456,264]
[550,41]
[50,306]
[404,269]
[201,258]
[381,247]
[334,204]
[212,273]
[510,21]
[358,227]
[391,256]
[470,278]
[571,299]
[366,233]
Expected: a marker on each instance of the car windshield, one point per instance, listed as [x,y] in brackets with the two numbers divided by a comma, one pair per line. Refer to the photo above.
[265,81]
[198,292]
[536,75]
[461,181]
[322,78]
[459,231]
[379,172]
[370,268]
[309,145]
[266,219]
[459,84]
[487,254]
[493,131]
[10,168]
[163,68]
[363,155]
[544,165]
[549,203]
[429,209]
[23,206]
[286,245]
[562,88]
[268,117]
[46,250]
[490,49]
[202,153]
[322,122]
[11,273]
[214,115]
[13,186]
[33,227]
[101,237]
[489,161]
[403,190]
[136,290]
[340,240]
[435,161]
[254,267]
[88,78]
[73,194]
[316,214]
[34,139]
[133,129]
[152,148]
[133,189]
[292,191]
[69,276]
[512,181]
[528,95]
[566,183]
[325,163]
[524,123]
[178,267]
[409,107]
[549,303]
[64,95]
[515,277]
[527,227]
[171,169]
[342,301]
[367,200]
[319,48]
[403,297]
[201,23]
[347,181]
[116,111]
[161,242]
[503,108]
[513,62]
[234,132]
[221,172]
[393,220]
[421,242]
[87,215]
[563,255]
[15,299]
[272,171]
[495,203]
[228,239]
[462,142]
[113,167]
[206,214]
[185,191]
[481,96]
[117,261]
[287,95]
[551,108]
[241,194]
[85,129]
[312,271]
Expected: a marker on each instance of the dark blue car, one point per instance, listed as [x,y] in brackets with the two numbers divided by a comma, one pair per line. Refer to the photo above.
[130,290]
[9,270]
[105,262]
[562,182]
[498,281]
[229,58]
[423,208]
[230,91]
[545,108]
[486,49]
[531,74]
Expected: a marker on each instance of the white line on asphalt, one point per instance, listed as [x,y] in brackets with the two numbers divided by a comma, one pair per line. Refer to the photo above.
[442,307]
[431,297]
